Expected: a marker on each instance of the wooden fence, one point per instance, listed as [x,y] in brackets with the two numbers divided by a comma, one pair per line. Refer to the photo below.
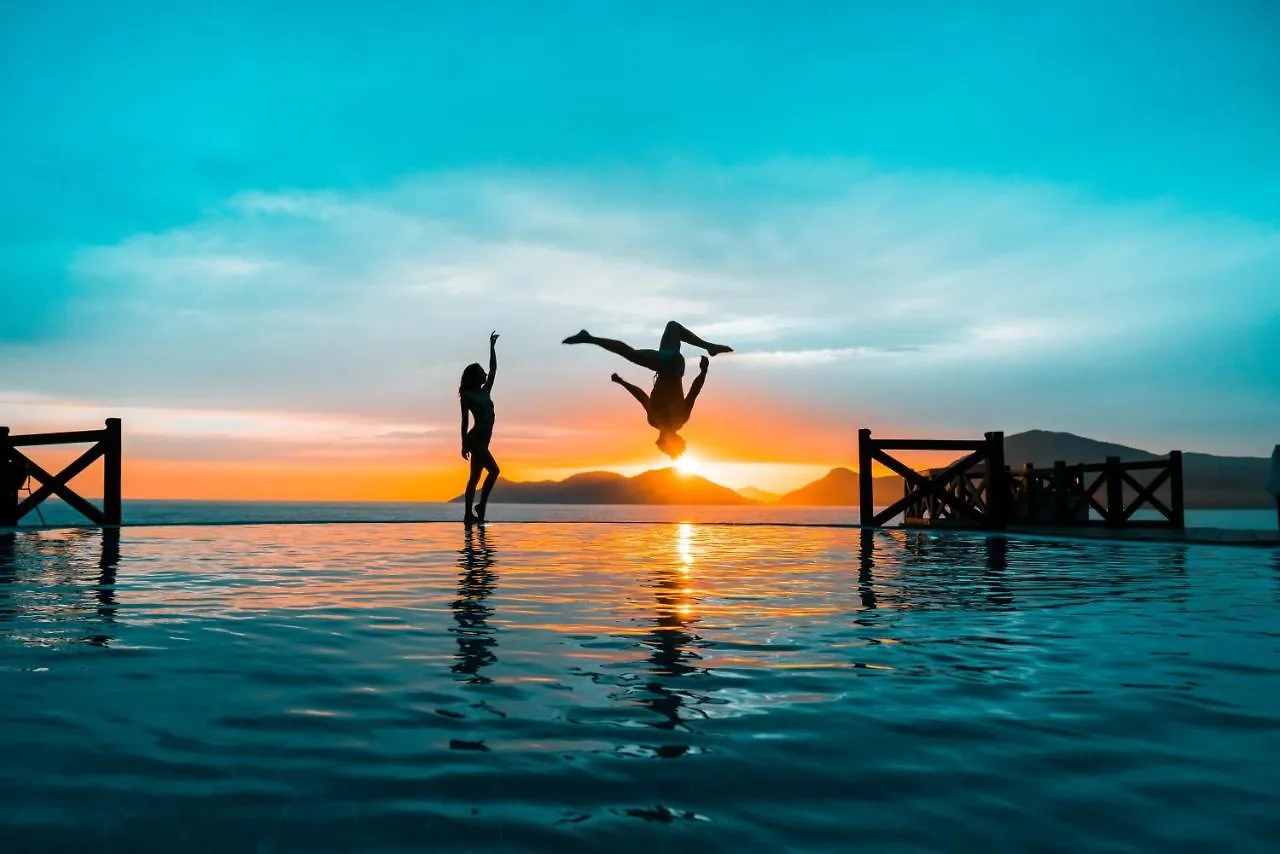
[970,492]
[979,491]
[1113,490]
[17,469]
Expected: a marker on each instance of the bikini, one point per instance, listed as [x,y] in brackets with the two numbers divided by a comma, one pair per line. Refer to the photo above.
[670,362]
[481,405]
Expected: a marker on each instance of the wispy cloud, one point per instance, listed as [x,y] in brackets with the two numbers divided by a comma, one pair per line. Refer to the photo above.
[367,305]
[256,424]
[790,358]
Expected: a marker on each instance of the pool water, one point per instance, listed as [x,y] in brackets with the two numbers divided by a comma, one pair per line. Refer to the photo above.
[636,687]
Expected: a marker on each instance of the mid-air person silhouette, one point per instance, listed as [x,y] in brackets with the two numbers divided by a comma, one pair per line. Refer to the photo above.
[473,392]
[666,405]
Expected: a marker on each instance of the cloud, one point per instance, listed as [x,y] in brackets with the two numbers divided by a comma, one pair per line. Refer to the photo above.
[157,432]
[230,424]
[765,327]
[791,358]
[366,305]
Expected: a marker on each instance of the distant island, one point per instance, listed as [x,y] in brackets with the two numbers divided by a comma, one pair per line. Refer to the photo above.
[1210,481]
[661,486]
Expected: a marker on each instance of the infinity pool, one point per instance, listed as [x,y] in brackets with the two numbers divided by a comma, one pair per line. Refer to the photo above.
[648,687]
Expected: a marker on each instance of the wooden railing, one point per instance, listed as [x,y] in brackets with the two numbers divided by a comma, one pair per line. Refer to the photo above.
[979,491]
[1114,490]
[16,468]
[970,492]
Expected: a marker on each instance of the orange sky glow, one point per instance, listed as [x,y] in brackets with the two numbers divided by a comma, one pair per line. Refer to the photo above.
[778,452]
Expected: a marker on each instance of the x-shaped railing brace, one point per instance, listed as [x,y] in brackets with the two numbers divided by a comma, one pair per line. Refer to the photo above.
[51,484]
[924,485]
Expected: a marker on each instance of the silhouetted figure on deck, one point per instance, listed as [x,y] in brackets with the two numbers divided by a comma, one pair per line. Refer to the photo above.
[474,394]
[666,404]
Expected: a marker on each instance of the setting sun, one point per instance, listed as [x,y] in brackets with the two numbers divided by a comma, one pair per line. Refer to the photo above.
[690,464]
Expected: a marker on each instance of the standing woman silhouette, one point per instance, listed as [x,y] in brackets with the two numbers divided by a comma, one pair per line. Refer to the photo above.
[473,392]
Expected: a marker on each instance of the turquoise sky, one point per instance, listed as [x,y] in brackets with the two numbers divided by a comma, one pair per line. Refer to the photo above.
[966,215]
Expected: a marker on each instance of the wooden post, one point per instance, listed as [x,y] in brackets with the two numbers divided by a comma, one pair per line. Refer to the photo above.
[1030,494]
[997,482]
[866,492]
[111,467]
[1115,491]
[1273,481]
[1061,493]
[9,483]
[1179,519]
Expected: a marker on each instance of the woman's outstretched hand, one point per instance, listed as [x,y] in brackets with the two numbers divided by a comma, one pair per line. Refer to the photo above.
[493,339]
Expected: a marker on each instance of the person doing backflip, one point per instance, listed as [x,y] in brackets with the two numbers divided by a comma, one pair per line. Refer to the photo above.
[666,404]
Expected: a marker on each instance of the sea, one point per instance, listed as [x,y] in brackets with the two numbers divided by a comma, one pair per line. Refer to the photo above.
[169,512]
[218,677]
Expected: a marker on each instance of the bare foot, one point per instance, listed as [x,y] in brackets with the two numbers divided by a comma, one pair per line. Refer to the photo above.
[469,519]
[615,378]
[583,337]
[717,349]
[480,513]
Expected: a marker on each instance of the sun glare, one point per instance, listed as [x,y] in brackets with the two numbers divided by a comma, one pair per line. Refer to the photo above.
[689,464]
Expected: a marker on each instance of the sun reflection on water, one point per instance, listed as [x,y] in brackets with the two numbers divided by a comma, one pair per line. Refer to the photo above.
[543,666]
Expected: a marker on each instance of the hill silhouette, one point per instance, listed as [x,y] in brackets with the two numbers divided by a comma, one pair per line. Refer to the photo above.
[1042,447]
[761,495]
[839,488]
[1209,481]
[659,486]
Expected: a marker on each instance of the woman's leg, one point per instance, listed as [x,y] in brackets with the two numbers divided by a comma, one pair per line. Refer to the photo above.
[676,333]
[647,359]
[477,463]
[491,465]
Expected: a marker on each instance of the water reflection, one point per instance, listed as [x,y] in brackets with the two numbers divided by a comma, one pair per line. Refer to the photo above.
[58,579]
[1275,561]
[955,570]
[105,590]
[866,563]
[471,611]
[8,572]
[298,634]
[671,639]
[998,593]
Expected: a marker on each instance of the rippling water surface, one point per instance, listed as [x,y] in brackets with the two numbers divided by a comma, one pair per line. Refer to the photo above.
[620,687]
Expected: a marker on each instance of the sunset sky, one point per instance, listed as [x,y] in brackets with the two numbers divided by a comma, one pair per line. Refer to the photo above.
[270,236]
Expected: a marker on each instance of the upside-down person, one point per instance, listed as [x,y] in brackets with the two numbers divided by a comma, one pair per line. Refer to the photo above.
[666,404]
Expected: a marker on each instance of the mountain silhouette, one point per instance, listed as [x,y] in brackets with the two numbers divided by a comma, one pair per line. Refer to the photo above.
[1042,447]
[1209,481]
[659,486]
[761,495]
[839,488]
